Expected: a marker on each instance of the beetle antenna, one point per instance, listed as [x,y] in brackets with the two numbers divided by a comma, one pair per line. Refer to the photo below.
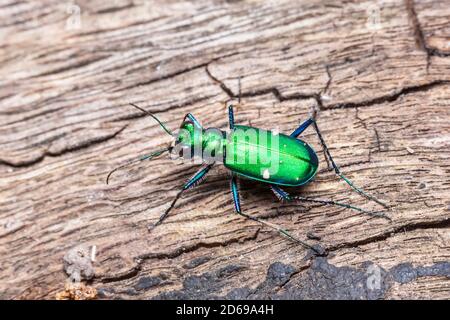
[154,117]
[142,158]
[239,89]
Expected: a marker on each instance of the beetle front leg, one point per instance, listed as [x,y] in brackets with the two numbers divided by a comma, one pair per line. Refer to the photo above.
[194,181]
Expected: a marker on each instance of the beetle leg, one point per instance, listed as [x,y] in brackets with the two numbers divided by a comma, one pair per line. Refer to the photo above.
[235,193]
[339,173]
[280,193]
[194,181]
[344,205]
[237,206]
[231,116]
[283,195]
[193,120]
[302,128]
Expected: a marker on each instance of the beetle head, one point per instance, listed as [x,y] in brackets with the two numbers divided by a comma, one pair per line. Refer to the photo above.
[189,138]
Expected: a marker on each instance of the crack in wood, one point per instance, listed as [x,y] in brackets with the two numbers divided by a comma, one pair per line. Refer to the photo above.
[438,224]
[272,90]
[177,73]
[141,259]
[83,145]
[390,97]
[317,96]
[419,36]
[377,136]
[115,9]
[140,115]
[77,65]
[330,78]
[415,178]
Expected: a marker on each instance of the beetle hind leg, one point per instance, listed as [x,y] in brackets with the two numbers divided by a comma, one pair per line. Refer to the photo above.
[339,173]
[237,205]
[328,156]
[284,196]
[343,205]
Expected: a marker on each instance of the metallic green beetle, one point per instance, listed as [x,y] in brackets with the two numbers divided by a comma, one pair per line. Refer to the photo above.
[266,156]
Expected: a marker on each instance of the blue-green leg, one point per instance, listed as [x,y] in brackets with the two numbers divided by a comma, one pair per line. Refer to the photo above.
[339,173]
[237,206]
[235,193]
[283,195]
[193,120]
[302,128]
[231,116]
[280,193]
[194,181]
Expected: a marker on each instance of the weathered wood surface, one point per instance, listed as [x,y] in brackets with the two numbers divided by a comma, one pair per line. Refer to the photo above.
[378,74]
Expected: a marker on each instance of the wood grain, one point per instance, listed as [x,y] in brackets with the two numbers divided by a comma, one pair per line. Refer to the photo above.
[376,74]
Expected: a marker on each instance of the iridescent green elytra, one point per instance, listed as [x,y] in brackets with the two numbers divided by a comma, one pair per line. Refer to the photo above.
[292,162]
[265,156]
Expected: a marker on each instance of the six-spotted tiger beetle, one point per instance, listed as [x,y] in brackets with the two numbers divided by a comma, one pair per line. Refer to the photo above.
[266,156]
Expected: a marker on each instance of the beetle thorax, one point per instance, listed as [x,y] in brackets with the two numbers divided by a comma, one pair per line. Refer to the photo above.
[199,143]
[213,145]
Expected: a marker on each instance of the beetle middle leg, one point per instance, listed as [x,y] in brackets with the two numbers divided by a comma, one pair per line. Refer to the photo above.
[302,128]
[237,206]
[194,181]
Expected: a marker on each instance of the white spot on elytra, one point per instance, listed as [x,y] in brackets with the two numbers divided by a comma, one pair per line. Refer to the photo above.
[266,174]
[275,132]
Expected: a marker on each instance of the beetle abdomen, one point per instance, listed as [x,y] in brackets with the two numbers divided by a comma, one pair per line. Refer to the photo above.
[270,157]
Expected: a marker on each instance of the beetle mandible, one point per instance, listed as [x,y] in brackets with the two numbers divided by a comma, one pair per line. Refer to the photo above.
[272,158]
